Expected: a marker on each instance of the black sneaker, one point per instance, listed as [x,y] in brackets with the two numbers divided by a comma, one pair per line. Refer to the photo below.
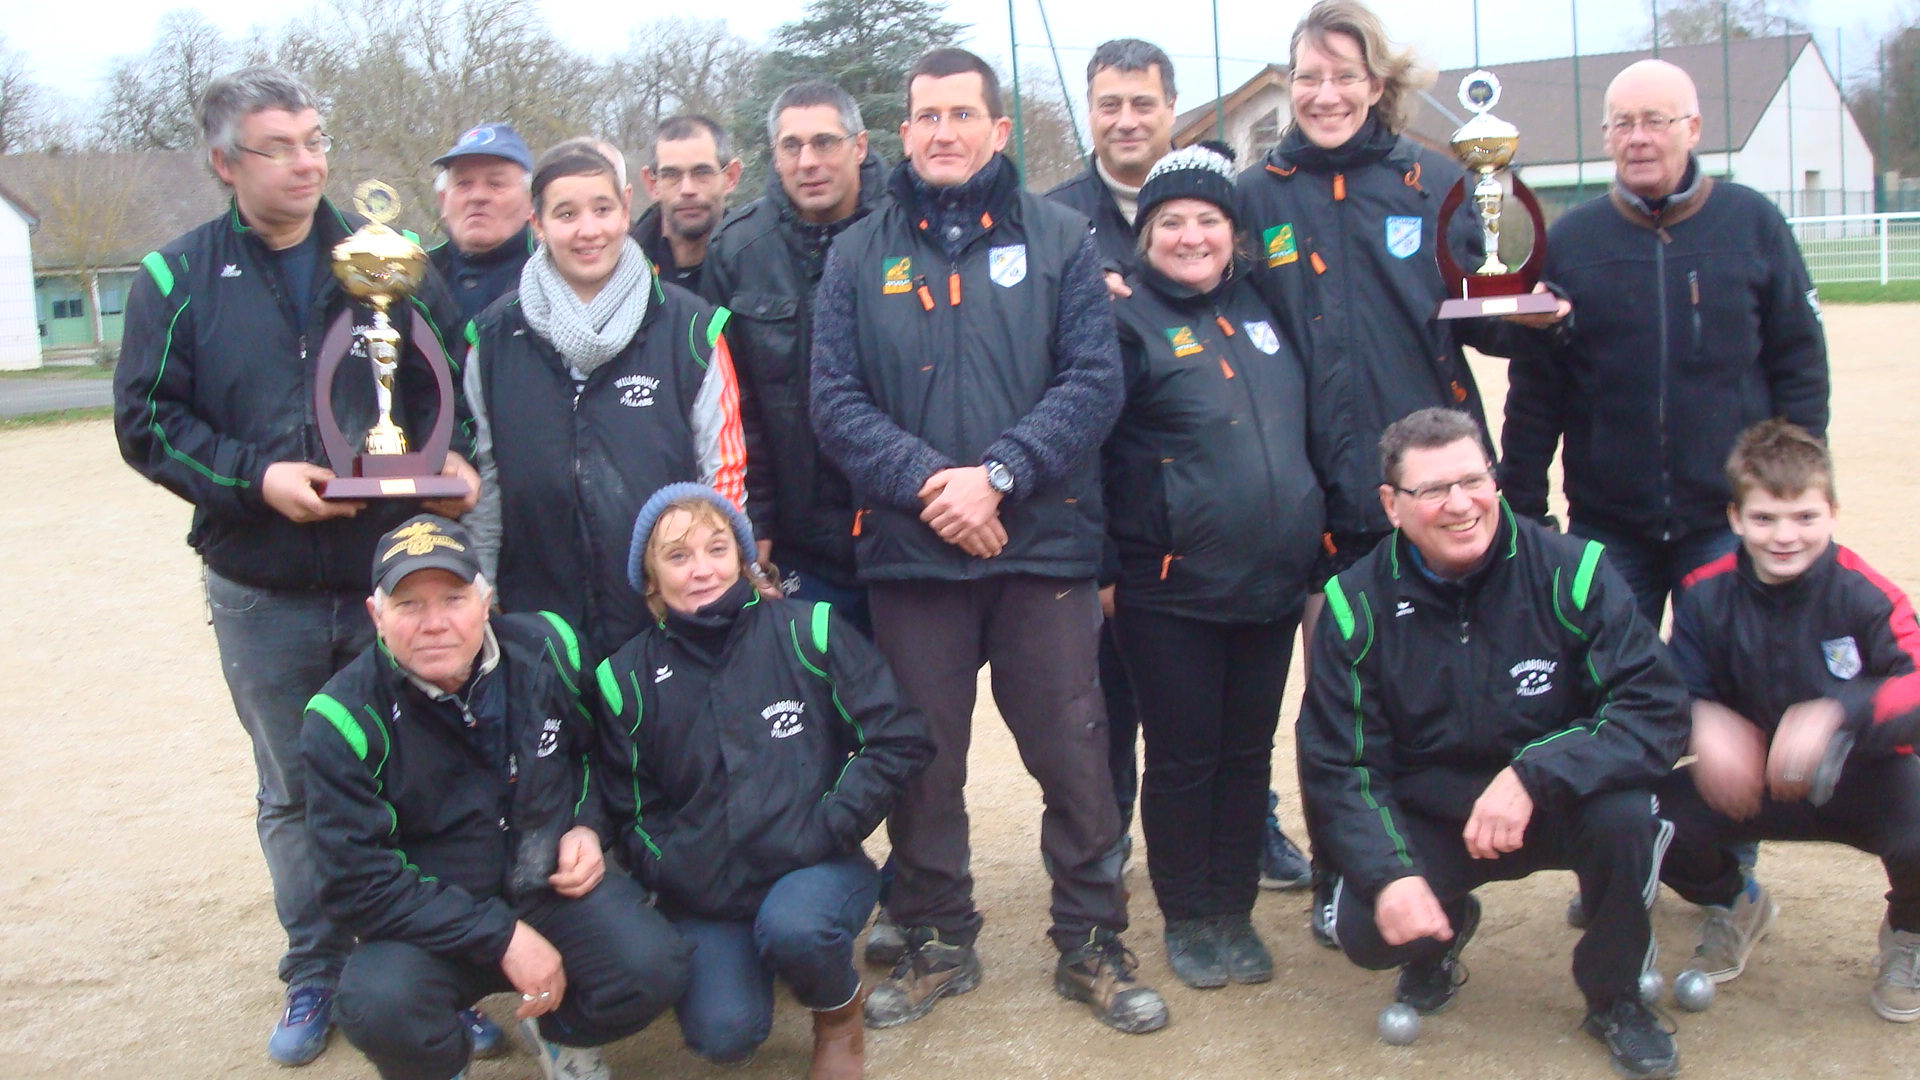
[1640,1044]
[1429,985]
[1245,955]
[1193,952]
[1102,973]
[1321,921]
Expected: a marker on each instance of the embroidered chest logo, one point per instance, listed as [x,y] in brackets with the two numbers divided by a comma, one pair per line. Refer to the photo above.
[1007,266]
[662,673]
[896,276]
[1403,609]
[785,716]
[1843,657]
[1535,677]
[636,391]
[1182,340]
[1403,236]
[549,738]
[1260,332]
[230,270]
[1280,246]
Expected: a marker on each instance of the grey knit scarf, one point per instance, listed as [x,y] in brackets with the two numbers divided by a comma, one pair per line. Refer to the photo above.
[587,335]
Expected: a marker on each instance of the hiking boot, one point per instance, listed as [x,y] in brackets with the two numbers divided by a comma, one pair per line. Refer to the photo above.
[488,1040]
[1193,952]
[885,943]
[1896,993]
[1245,955]
[1730,933]
[301,1034]
[1640,1044]
[925,973]
[564,1062]
[1282,864]
[840,1042]
[1429,985]
[1102,974]
[1320,920]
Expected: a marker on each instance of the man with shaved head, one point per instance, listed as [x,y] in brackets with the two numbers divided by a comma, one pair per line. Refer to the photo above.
[1693,318]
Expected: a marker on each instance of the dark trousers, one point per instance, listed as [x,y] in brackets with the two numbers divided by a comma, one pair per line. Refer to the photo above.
[1039,635]
[1654,569]
[1209,696]
[1123,725]
[1875,808]
[1612,842]
[803,933]
[625,965]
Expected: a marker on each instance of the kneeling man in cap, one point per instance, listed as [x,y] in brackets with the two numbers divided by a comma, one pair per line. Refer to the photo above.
[458,834]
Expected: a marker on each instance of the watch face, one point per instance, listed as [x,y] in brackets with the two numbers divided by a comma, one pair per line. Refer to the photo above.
[1000,478]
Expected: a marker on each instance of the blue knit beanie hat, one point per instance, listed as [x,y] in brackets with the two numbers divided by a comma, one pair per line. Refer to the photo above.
[657,504]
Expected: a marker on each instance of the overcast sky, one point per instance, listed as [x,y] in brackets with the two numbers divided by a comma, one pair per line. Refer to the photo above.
[71,48]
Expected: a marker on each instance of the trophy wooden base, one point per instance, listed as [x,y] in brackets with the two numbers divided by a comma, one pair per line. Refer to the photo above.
[1481,307]
[354,488]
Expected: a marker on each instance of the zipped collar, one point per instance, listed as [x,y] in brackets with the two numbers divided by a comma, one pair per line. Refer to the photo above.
[1788,593]
[1411,578]
[1675,209]
[987,199]
[1186,297]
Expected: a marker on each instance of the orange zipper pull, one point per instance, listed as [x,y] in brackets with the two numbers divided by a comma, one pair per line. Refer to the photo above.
[1225,326]
[1226,368]
[858,516]
[1166,564]
[1339,186]
[953,289]
[1319,264]
[926,294]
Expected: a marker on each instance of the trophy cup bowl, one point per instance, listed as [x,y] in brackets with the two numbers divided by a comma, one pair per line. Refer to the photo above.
[379,265]
[1486,144]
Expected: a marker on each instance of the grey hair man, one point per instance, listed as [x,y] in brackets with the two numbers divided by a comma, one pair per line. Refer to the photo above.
[212,401]
[1130,112]
[692,172]
[485,191]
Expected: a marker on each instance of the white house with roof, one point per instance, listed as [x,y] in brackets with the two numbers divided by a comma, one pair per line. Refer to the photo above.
[19,331]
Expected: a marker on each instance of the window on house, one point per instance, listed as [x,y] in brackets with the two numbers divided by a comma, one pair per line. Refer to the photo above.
[69,309]
[1264,135]
[113,297]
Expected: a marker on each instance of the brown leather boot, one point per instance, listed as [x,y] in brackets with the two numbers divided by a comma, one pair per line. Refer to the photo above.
[840,1041]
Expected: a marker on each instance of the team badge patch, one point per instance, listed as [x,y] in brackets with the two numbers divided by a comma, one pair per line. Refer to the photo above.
[787,718]
[896,276]
[549,738]
[1007,266]
[1280,246]
[1532,677]
[1260,332]
[1843,657]
[1182,340]
[1403,236]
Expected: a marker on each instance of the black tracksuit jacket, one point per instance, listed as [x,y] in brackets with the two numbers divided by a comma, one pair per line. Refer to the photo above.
[215,383]
[741,748]
[1840,630]
[421,837]
[1422,691]
[1688,327]
[1213,507]
[1090,195]
[763,267]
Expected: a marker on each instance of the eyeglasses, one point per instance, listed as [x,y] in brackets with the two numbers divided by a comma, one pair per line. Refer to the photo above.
[286,153]
[927,121]
[672,177]
[1312,80]
[824,144]
[1651,123]
[1436,493]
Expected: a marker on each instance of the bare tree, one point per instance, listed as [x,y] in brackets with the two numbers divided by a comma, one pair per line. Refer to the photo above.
[91,205]
[1053,147]
[25,111]
[673,66]
[1703,22]
[151,99]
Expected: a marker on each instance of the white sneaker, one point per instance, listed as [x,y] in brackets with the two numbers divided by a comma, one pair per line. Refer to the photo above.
[1896,993]
[1728,936]
[564,1062]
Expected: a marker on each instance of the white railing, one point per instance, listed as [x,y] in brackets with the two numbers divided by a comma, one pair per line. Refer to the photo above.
[1860,247]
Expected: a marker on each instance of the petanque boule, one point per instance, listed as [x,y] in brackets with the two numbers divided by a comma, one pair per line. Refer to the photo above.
[1399,1024]
[1652,985]
[1693,991]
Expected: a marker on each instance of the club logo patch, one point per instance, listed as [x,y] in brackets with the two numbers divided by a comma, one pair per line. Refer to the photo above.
[549,738]
[1403,236]
[1007,266]
[896,276]
[786,718]
[1535,677]
[662,673]
[1182,340]
[1843,657]
[636,391]
[1403,609]
[1260,332]
[1280,246]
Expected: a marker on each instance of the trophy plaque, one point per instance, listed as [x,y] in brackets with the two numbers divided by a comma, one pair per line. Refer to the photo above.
[1485,145]
[382,267]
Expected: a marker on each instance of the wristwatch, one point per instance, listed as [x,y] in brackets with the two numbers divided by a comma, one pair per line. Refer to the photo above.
[999,477]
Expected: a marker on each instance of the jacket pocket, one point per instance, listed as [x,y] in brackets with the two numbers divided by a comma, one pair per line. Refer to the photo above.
[766,333]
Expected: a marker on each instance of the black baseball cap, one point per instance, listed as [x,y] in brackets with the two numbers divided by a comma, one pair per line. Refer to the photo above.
[490,140]
[424,542]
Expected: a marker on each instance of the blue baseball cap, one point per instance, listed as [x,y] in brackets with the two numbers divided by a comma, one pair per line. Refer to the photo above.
[490,140]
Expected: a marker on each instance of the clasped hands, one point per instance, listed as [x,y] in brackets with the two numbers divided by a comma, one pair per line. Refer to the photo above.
[964,510]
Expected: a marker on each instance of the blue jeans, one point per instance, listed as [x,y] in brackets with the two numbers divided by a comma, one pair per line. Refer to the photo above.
[803,933]
[277,650]
[1655,568]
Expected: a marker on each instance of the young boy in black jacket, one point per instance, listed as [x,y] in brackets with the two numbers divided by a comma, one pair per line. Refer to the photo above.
[1783,644]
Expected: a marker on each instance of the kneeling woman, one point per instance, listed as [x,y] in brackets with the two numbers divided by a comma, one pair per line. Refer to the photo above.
[1216,514]
[754,743]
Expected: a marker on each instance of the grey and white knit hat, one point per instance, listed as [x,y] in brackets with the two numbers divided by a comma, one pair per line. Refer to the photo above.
[1201,171]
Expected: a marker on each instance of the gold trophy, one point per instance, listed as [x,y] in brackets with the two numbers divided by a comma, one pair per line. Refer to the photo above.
[382,268]
[1485,144]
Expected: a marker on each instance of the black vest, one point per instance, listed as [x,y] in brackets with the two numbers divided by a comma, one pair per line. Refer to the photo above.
[574,470]
[959,374]
[1212,503]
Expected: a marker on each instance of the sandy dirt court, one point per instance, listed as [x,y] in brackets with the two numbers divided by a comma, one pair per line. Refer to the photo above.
[138,939]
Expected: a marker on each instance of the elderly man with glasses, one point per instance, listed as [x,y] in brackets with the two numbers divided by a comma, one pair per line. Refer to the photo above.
[1485,702]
